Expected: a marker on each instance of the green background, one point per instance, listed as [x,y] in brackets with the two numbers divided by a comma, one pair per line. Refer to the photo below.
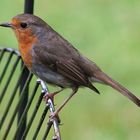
[107,32]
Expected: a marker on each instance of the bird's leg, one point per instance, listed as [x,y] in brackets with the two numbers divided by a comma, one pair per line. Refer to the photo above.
[74,90]
[51,95]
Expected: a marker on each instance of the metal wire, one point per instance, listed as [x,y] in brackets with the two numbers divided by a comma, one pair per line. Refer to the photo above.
[40,122]
[32,117]
[22,106]
[6,66]
[52,110]
[9,78]
[25,111]
[11,99]
[1,54]
[17,106]
[47,130]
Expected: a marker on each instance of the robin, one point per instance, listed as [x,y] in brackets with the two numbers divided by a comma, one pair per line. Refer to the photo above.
[54,60]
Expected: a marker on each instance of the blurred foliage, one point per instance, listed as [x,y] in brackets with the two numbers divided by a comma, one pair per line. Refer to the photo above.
[107,31]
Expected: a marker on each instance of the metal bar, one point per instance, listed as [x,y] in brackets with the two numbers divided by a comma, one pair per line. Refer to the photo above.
[17,106]
[32,117]
[11,99]
[6,66]
[52,110]
[22,106]
[25,111]
[28,8]
[11,50]
[1,54]
[9,79]
[40,122]
[47,130]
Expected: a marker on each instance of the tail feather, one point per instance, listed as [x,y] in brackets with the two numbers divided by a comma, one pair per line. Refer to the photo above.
[109,81]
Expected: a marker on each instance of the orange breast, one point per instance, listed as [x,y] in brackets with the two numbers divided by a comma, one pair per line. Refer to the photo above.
[26,41]
[26,54]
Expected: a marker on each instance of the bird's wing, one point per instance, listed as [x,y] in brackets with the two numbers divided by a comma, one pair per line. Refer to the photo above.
[64,65]
[72,71]
[61,63]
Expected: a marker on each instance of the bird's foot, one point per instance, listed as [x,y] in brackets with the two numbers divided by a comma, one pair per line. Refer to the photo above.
[54,115]
[49,96]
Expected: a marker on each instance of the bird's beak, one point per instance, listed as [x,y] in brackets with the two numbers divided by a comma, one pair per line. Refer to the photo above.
[6,25]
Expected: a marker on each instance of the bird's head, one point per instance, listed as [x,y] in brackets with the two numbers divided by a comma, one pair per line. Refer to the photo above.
[26,26]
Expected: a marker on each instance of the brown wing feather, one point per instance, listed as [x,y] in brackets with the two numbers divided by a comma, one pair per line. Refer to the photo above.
[69,69]
[64,66]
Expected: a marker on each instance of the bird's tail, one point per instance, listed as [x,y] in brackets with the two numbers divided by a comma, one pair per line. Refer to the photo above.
[109,81]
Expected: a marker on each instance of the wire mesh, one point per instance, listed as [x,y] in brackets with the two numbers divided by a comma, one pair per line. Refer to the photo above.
[35,114]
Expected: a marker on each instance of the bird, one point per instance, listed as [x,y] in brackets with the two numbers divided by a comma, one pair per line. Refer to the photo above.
[56,61]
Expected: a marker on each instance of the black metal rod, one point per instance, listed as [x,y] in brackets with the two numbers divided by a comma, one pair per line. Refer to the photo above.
[28,8]
[17,106]
[32,117]
[6,65]
[22,106]
[25,111]
[11,99]
[1,54]
[50,123]
[9,79]
[40,122]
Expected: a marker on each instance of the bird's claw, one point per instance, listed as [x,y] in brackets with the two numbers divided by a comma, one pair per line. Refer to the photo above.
[54,116]
[48,96]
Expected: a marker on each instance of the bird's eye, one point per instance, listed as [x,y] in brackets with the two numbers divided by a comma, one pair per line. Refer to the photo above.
[23,25]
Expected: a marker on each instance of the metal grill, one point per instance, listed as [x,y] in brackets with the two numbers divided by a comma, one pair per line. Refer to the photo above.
[23,114]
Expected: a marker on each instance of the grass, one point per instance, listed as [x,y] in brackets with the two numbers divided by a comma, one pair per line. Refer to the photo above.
[108,33]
